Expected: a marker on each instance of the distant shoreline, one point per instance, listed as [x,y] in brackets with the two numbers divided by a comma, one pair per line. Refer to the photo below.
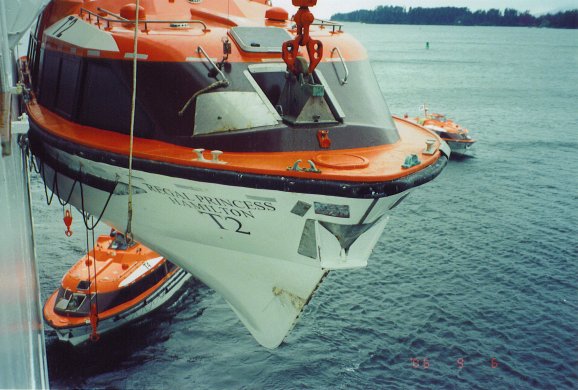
[459,16]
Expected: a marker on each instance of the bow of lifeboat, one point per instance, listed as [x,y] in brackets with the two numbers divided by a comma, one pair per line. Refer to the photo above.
[257,180]
[123,282]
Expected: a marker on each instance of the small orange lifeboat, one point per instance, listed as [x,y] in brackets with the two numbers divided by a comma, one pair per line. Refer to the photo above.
[454,135]
[114,284]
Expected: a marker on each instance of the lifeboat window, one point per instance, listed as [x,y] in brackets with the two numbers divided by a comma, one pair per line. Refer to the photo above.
[69,303]
[59,87]
[107,301]
[75,302]
[228,111]
[83,285]
[271,80]
[106,101]
[66,96]
[260,39]
[170,266]
[360,99]
[62,300]
[49,82]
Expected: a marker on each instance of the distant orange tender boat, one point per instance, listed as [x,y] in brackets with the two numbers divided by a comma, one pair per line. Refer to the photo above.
[457,137]
[111,286]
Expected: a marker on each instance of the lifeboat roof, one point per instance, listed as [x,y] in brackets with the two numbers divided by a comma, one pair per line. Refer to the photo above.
[166,28]
[114,263]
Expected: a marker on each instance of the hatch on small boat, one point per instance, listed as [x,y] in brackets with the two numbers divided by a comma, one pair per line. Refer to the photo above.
[115,283]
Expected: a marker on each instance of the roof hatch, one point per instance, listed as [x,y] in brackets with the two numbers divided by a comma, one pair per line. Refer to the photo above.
[260,39]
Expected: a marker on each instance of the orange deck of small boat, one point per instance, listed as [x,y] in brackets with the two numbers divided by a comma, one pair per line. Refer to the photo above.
[112,266]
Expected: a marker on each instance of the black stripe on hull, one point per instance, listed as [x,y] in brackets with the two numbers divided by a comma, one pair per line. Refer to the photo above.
[39,137]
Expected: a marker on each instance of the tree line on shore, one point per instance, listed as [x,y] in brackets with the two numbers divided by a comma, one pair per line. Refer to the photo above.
[459,16]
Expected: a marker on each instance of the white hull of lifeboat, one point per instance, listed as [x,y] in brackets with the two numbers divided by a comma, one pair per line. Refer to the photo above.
[81,334]
[455,146]
[264,251]
[459,147]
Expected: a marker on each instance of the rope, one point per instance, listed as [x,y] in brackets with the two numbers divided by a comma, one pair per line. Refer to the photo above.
[128,233]
[216,84]
[48,199]
[86,215]
[56,189]
[41,171]
[88,266]
[94,263]
[93,306]
[32,162]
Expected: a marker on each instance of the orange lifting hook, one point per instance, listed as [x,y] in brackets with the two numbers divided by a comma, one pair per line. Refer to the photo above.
[303,18]
[94,336]
[67,221]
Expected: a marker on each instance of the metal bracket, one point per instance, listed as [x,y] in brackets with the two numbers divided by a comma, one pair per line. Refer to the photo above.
[430,148]
[411,161]
[296,168]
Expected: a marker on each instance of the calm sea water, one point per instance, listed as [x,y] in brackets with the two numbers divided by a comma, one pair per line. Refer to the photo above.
[479,265]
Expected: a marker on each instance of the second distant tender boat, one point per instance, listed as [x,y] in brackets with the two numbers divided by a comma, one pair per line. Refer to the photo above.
[116,283]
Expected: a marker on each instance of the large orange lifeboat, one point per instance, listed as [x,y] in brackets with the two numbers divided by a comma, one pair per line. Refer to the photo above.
[261,159]
[114,284]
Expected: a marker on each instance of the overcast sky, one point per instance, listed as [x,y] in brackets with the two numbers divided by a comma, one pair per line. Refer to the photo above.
[326,8]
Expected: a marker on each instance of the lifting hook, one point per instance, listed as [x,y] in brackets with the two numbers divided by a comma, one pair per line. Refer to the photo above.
[68,222]
[303,19]
[94,336]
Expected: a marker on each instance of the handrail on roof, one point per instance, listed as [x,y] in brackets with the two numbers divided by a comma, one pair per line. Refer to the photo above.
[111,13]
[120,19]
[322,22]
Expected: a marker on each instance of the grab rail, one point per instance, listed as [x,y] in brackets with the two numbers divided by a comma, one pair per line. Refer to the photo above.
[322,22]
[120,19]
[344,80]
[200,50]
[111,13]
